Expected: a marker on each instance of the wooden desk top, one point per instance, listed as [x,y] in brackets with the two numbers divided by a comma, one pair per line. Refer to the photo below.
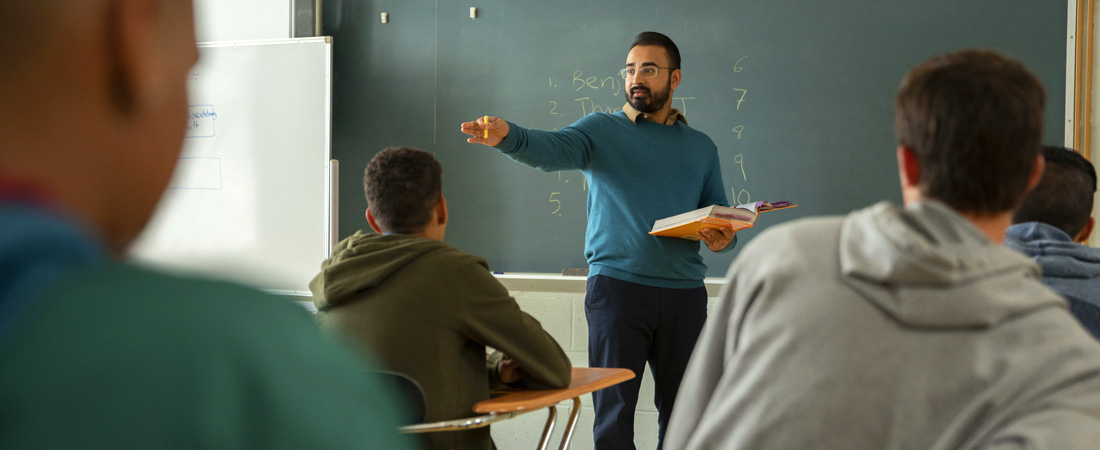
[584,380]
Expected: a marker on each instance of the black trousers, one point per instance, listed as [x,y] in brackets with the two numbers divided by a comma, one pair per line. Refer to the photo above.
[630,324]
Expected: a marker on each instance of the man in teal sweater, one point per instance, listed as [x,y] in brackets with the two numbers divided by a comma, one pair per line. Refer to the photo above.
[95,353]
[645,298]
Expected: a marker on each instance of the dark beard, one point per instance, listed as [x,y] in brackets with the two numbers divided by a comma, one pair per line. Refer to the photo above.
[650,104]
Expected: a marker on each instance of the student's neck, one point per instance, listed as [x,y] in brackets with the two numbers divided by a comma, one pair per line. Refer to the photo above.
[993,226]
[424,234]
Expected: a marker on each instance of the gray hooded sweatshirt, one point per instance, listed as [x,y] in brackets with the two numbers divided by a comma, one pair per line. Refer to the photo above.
[888,329]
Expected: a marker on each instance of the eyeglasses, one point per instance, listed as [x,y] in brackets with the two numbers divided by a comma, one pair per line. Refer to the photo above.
[644,71]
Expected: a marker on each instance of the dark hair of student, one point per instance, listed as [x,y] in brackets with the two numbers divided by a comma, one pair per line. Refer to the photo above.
[1063,198]
[660,40]
[973,119]
[402,186]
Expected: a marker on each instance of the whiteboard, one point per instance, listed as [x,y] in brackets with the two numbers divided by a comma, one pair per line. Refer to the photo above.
[235,20]
[252,198]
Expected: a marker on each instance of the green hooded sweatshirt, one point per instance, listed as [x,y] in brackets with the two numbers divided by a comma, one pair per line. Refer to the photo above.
[428,311]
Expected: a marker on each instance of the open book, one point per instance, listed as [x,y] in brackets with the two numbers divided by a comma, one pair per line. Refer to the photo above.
[687,225]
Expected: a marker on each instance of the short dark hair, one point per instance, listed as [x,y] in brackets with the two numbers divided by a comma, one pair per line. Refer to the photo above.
[660,40]
[973,119]
[402,186]
[1063,197]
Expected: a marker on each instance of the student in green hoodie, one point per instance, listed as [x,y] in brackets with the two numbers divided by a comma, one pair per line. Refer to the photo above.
[428,310]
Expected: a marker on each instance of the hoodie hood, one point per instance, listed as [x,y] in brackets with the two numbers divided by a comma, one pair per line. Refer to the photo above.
[904,261]
[363,261]
[1054,250]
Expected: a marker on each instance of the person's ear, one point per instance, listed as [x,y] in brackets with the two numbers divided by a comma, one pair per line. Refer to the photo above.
[373,225]
[908,168]
[1036,172]
[441,211]
[133,53]
[1085,233]
[674,80]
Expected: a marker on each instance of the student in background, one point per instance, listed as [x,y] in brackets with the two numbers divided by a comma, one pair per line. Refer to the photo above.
[905,328]
[95,353]
[645,301]
[1052,225]
[426,309]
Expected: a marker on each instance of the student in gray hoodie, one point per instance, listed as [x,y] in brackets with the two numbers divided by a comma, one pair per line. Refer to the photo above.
[426,309]
[905,328]
[1053,222]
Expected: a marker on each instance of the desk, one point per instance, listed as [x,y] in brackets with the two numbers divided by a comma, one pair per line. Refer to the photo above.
[584,380]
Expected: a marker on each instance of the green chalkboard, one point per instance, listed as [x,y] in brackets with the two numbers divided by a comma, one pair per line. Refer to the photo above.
[798,97]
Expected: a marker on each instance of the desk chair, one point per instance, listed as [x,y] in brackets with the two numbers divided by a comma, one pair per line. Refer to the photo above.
[514,403]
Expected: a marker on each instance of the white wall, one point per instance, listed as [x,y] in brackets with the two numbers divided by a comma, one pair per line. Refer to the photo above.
[238,20]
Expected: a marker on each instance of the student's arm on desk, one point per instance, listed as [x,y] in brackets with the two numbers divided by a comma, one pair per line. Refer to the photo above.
[493,318]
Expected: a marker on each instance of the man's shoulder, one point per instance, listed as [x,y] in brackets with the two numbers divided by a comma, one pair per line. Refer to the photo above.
[596,121]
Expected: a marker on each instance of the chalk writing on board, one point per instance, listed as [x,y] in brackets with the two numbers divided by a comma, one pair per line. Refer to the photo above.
[739,100]
[588,105]
[556,210]
[580,81]
[740,160]
[740,197]
[197,173]
[200,121]
[683,103]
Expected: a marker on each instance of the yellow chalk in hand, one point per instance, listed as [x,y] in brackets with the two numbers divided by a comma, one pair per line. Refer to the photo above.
[486,120]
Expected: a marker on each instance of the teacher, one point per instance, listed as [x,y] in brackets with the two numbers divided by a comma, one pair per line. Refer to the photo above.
[645,299]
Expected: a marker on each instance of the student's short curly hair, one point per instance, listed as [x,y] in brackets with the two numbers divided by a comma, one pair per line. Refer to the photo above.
[402,186]
[1063,198]
[973,119]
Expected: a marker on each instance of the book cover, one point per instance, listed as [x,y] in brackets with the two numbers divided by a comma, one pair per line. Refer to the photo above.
[687,225]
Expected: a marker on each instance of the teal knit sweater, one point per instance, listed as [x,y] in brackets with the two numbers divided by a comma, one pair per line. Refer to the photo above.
[637,174]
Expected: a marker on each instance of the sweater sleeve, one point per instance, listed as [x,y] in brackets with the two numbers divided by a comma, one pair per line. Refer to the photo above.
[565,149]
[714,192]
[493,318]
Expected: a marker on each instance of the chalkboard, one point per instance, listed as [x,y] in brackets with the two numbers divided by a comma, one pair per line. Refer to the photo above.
[250,199]
[798,97]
